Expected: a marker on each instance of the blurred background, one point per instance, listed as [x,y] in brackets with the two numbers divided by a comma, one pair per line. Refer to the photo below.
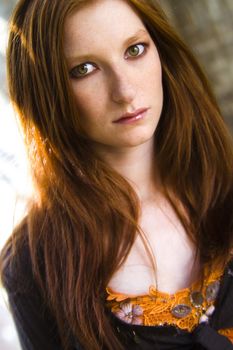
[205,25]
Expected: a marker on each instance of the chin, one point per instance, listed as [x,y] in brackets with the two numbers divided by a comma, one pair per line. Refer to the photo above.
[135,142]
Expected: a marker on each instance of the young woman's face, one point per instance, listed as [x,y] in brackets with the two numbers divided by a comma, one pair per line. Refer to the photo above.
[114,69]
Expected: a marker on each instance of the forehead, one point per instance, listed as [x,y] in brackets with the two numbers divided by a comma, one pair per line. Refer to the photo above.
[100,22]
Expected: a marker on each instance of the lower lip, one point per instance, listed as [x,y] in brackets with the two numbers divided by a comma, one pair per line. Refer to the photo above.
[131,120]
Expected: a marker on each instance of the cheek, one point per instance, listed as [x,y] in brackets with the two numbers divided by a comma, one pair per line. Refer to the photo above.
[85,99]
[90,105]
[155,77]
[152,73]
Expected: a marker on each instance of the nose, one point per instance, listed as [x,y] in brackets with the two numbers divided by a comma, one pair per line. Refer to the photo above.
[123,90]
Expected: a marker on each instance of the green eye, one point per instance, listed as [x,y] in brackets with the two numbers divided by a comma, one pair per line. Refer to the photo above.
[136,50]
[82,70]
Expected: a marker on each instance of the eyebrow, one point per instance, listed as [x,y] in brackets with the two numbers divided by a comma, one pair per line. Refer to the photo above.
[135,37]
[129,41]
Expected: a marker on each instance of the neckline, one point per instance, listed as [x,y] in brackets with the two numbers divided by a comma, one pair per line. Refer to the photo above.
[210,275]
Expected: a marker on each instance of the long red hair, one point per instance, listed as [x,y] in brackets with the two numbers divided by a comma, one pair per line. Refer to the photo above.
[83,222]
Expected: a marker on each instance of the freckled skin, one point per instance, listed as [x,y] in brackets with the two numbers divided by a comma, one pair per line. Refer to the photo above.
[118,82]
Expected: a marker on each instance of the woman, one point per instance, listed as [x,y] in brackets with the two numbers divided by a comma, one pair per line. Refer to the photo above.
[127,242]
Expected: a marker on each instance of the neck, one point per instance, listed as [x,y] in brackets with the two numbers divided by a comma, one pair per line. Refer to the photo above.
[137,165]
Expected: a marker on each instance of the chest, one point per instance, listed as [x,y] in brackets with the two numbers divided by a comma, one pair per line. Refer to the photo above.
[173,251]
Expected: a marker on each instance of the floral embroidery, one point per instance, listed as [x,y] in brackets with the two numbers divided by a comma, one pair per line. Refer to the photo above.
[184,309]
[129,313]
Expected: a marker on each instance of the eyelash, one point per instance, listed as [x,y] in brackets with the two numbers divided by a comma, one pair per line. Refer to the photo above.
[75,75]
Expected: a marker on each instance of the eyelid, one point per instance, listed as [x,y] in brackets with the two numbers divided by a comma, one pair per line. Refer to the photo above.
[144,44]
[73,76]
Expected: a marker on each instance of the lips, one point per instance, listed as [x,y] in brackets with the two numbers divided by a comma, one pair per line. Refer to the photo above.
[136,115]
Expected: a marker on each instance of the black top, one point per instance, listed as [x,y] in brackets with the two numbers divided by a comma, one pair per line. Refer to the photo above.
[37,327]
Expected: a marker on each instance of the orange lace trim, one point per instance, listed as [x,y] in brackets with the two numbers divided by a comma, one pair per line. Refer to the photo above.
[227,332]
[157,308]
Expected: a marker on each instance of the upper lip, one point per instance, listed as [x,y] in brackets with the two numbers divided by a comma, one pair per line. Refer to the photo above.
[131,115]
